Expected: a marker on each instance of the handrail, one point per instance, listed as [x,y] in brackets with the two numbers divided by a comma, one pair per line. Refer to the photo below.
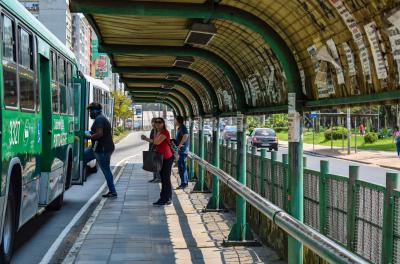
[320,244]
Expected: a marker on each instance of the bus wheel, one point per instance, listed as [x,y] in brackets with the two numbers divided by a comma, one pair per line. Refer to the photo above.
[7,241]
[56,204]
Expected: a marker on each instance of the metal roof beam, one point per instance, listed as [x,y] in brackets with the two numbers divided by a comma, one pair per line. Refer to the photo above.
[184,51]
[176,99]
[177,94]
[163,81]
[152,100]
[177,103]
[176,70]
[203,11]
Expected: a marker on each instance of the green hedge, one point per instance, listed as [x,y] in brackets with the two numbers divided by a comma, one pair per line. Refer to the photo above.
[335,133]
[370,137]
[281,129]
[118,130]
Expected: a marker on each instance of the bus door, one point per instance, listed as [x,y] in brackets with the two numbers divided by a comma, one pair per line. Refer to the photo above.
[80,98]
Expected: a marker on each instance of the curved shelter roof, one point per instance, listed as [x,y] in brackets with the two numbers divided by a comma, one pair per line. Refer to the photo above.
[329,53]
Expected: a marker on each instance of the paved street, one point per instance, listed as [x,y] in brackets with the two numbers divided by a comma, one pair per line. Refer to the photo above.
[36,237]
[368,172]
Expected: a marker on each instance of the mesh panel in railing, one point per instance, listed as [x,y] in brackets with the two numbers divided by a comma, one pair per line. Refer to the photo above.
[233,163]
[396,228]
[336,191]
[267,178]
[369,218]
[248,168]
[311,198]
[278,184]
[257,173]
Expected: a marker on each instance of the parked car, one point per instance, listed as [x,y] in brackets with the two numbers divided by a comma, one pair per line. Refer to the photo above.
[207,131]
[263,138]
[229,133]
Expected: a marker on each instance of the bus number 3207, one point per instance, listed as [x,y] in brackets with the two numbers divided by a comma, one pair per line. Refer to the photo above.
[14,132]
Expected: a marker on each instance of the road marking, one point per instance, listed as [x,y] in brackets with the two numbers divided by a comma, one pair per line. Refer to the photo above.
[56,244]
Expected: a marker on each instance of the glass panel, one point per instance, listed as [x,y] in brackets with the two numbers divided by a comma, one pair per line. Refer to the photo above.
[55,96]
[63,99]
[25,49]
[8,39]
[61,70]
[27,89]
[10,84]
[53,66]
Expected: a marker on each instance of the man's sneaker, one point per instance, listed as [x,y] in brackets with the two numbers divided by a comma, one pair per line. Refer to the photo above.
[168,203]
[157,180]
[110,195]
[152,180]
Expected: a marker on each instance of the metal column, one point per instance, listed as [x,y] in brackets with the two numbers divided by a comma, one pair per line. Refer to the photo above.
[240,232]
[200,185]
[295,196]
[191,148]
[215,203]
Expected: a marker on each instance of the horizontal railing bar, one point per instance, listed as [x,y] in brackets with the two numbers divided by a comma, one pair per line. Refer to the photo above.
[320,244]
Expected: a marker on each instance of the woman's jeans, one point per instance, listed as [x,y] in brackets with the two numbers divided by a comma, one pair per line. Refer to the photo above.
[165,174]
[103,159]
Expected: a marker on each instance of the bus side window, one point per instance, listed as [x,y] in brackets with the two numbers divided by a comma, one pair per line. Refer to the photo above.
[9,63]
[63,89]
[54,85]
[25,71]
[70,92]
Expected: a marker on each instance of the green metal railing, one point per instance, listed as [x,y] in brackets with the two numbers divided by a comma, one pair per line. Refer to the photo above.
[352,212]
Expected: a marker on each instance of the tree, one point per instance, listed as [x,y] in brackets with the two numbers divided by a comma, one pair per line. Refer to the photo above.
[122,105]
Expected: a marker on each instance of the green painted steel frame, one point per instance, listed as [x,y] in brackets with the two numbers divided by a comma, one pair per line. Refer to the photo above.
[163,81]
[178,101]
[176,70]
[178,95]
[184,51]
[154,98]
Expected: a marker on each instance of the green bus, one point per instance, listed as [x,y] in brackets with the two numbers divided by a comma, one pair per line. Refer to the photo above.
[42,121]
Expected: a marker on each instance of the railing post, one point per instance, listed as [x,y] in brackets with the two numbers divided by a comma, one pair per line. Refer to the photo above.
[215,203]
[200,185]
[351,209]
[285,181]
[262,172]
[253,168]
[296,196]
[191,147]
[388,218]
[240,231]
[272,170]
[232,156]
[324,169]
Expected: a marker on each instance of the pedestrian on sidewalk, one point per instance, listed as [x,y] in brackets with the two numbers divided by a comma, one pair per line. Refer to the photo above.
[362,129]
[182,142]
[103,145]
[156,175]
[396,139]
[161,142]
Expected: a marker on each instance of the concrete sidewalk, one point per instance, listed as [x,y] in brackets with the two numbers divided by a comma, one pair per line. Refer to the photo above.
[386,159]
[130,229]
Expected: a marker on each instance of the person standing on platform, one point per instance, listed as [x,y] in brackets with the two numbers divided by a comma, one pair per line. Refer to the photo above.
[153,132]
[396,139]
[162,142]
[103,146]
[182,142]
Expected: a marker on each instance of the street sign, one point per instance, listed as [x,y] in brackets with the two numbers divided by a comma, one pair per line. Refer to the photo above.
[313,115]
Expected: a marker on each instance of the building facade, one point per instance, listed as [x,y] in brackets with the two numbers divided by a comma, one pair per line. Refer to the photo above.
[82,42]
